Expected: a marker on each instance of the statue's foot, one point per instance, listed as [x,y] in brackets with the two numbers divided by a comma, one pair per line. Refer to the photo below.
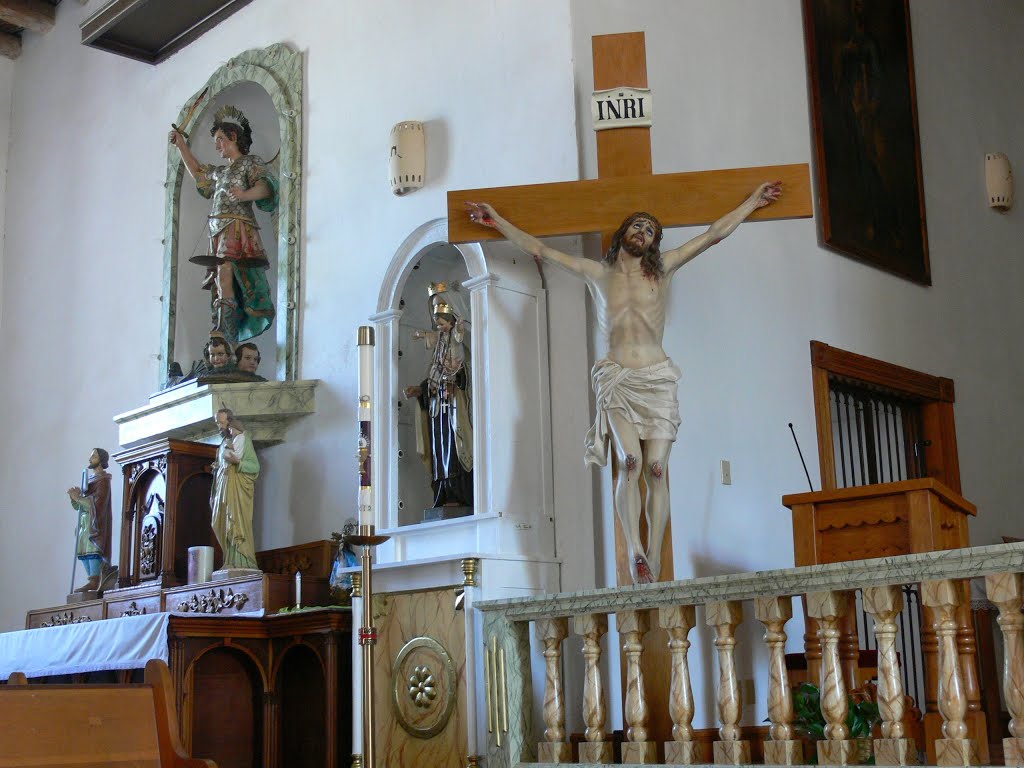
[90,585]
[108,578]
[643,571]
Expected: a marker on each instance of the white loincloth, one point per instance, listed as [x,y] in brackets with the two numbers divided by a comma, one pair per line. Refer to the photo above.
[648,397]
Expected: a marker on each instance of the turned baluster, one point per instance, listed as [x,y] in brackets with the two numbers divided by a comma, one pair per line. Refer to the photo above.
[884,604]
[682,750]
[592,627]
[783,749]
[944,596]
[1006,591]
[725,616]
[632,626]
[554,748]
[829,608]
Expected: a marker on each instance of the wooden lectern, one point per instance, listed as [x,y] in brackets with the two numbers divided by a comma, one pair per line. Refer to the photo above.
[881,520]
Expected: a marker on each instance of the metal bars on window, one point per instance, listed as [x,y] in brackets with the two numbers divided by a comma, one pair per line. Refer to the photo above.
[876,435]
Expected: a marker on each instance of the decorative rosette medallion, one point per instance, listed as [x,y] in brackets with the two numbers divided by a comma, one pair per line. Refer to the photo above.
[423,687]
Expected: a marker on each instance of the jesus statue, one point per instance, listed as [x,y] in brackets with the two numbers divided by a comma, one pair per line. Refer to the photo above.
[636,383]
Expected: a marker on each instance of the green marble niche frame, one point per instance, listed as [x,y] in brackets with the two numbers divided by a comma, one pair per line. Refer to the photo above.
[279,71]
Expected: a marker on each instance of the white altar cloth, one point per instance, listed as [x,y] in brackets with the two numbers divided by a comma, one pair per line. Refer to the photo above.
[127,642]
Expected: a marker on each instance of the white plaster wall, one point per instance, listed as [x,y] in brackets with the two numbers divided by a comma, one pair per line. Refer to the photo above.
[81,308]
[6,88]
[729,82]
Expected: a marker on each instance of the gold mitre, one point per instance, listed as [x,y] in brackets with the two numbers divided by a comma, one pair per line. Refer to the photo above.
[436,288]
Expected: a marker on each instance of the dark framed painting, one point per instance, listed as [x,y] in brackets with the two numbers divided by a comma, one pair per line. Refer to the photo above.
[864,108]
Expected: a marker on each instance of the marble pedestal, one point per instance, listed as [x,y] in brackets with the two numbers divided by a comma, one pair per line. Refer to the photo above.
[1013,751]
[784,752]
[640,752]
[895,752]
[837,752]
[186,412]
[956,752]
[683,753]
[596,752]
[732,752]
[554,752]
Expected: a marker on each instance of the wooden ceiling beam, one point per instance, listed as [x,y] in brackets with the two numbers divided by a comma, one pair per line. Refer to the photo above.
[10,45]
[37,15]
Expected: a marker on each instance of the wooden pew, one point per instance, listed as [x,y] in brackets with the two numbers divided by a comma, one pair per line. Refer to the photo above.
[88,726]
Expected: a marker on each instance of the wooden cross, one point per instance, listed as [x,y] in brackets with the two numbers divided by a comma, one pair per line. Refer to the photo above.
[626,184]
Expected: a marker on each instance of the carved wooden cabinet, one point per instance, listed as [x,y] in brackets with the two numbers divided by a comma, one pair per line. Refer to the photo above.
[164,511]
[265,692]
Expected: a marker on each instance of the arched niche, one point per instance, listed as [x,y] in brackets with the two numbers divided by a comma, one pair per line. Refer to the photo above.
[229,679]
[301,687]
[507,343]
[269,83]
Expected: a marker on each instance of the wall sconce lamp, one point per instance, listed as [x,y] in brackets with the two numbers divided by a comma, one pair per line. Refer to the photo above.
[407,158]
[998,181]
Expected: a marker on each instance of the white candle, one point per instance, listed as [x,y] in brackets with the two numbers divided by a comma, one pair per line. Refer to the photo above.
[298,589]
[365,426]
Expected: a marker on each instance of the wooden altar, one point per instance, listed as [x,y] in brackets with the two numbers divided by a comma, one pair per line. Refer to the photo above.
[252,687]
[271,691]
[887,519]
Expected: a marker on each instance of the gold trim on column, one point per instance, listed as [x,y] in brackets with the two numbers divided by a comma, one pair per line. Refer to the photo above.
[357,586]
[494,686]
[357,761]
[487,688]
[470,568]
[474,761]
[504,690]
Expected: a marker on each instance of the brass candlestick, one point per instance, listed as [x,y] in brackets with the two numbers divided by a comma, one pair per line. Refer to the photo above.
[367,538]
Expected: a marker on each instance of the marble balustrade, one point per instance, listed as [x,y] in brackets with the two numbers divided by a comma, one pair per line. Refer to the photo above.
[828,592]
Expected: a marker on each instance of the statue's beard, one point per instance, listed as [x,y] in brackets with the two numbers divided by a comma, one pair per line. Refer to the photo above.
[633,249]
[94,464]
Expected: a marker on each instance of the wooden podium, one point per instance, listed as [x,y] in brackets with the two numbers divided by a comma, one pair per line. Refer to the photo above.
[881,520]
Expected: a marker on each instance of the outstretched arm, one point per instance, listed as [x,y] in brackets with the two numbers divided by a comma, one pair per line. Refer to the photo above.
[484,214]
[766,194]
[176,138]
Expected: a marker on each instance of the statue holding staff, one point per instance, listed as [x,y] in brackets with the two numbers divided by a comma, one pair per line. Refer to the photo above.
[92,503]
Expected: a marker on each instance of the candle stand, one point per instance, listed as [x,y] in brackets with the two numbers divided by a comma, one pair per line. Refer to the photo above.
[368,539]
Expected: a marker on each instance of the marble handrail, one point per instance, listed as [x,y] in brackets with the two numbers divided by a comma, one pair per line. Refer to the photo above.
[965,563]
[827,591]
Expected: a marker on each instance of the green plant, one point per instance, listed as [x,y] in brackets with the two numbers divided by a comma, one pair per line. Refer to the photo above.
[860,720]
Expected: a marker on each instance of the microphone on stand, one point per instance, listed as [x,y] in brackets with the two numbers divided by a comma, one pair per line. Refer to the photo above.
[801,453]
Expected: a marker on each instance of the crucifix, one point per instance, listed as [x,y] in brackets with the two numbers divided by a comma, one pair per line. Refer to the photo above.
[626,183]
